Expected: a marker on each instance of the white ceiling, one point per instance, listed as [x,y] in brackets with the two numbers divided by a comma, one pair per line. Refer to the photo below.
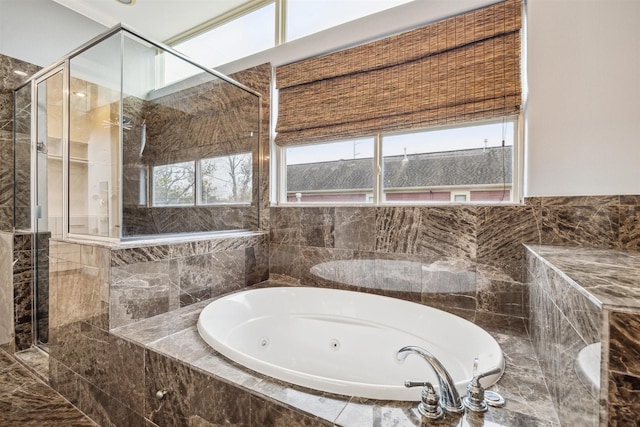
[157,19]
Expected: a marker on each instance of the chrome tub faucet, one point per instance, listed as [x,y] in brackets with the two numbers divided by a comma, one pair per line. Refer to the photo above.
[449,398]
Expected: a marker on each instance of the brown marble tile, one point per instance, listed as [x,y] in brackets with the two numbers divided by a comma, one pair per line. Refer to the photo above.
[448,232]
[590,226]
[501,231]
[355,228]
[285,226]
[580,201]
[624,400]
[629,231]
[24,400]
[104,409]
[502,297]
[624,342]
[269,414]
[398,229]
[317,227]
[141,290]
[284,260]
[256,264]
[318,267]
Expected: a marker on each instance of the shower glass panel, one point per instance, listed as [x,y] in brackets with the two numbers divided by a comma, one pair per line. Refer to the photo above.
[95,126]
[172,128]
[125,122]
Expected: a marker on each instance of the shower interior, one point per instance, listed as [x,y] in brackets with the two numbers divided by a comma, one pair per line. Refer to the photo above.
[125,139]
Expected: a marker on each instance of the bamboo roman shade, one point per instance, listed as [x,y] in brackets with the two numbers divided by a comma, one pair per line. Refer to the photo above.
[463,68]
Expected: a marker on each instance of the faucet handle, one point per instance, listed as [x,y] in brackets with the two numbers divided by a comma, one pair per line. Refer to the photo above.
[409,384]
[475,400]
[429,407]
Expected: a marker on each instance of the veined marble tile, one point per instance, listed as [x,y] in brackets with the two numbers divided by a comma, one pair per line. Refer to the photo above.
[629,231]
[398,229]
[284,260]
[266,413]
[141,290]
[6,288]
[624,342]
[624,400]
[285,225]
[591,226]
[325,267]
[448,232]
[354,228]
[579,200]
[317,227]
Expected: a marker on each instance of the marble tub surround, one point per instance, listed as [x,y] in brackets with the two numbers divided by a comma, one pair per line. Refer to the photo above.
[610,222]
[581,296]
[177,359]
[96,287]
[452,257]
[114,285]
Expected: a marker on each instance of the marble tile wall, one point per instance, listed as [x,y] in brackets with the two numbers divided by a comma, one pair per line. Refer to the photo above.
[584,302]
[23,275]
[459,258]
[452,257]
[151,280]
[8,81]
[6,290]
[624,368]
[96,288]
[563,322]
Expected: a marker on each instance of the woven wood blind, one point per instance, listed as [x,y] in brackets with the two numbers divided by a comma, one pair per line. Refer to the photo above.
[460,69]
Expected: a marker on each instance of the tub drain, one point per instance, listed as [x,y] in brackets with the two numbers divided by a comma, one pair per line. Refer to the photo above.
[334,344]
[264,342]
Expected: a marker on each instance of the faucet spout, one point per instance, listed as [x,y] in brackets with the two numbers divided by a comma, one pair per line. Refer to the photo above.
[449,397]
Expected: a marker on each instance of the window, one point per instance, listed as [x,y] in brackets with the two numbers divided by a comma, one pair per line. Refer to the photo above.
[332,172]
[216,180]
[173,184]
[466,163]
[243,34]
[306,17]
[471,163]
[226,179]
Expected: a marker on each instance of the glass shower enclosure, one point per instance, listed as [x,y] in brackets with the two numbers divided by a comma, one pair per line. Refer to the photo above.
[126,139]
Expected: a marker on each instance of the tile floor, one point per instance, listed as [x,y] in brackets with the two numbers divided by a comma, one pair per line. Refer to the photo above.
[27,401]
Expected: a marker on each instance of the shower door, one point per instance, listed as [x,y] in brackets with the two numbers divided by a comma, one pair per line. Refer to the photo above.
[48,160]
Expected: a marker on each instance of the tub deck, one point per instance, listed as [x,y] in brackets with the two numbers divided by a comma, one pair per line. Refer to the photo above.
[174,335]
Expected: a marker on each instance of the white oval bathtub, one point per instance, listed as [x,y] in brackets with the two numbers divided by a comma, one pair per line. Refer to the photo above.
[345,342]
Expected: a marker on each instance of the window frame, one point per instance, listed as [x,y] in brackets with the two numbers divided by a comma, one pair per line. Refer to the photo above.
[517,169]
[281,16]
[197,185]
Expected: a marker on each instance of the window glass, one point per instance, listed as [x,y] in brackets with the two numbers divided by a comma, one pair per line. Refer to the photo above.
[467,163]
[332,172]
[306,17]
[174,184]
[226,179]
[235,39]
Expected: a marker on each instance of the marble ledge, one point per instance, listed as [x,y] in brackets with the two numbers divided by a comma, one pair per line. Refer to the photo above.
[608,277]
[162,239]
[175,336]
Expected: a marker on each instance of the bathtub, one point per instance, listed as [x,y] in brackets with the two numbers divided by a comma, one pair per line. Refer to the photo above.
[345,342]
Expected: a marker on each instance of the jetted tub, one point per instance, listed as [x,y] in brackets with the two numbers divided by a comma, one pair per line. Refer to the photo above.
[345,342]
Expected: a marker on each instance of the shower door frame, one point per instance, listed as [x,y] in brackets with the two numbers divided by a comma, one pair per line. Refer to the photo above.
[37,212]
